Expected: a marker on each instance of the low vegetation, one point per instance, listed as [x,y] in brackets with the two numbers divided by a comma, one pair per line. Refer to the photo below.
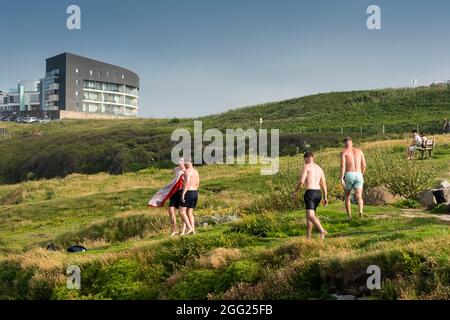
[250,244]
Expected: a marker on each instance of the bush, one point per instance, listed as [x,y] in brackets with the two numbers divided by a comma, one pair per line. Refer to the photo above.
[402,178]
[261,225]
[408,204]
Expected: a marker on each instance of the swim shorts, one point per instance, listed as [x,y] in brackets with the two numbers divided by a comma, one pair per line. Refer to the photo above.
[312,199]
[191,199]
[353,180]
[175,199]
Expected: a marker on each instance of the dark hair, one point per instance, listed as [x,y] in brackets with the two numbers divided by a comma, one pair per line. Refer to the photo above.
[414,131]
[347,139]
[308,154]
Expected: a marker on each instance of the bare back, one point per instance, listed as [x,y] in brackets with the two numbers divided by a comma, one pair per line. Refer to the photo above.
[354,160]
[312,174]
[192,179]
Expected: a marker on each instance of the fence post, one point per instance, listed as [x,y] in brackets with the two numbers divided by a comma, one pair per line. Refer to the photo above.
[361,130]
[342,129]
[320,129]
[384,129]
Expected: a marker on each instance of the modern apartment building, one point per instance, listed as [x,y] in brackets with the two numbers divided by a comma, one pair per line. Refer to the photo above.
[80,85]
[76,87]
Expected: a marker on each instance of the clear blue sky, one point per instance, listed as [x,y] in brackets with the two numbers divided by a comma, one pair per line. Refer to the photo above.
[197,57]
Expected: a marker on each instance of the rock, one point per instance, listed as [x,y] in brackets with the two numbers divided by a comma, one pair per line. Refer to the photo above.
[427,198]
[51,247]
[446,194]
[378,196]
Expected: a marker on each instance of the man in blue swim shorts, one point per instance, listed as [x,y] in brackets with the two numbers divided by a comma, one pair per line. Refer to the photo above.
[353,168]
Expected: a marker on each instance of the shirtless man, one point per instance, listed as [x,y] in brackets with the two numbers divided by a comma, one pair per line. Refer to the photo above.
[313,178]
[189,197]
[353,168]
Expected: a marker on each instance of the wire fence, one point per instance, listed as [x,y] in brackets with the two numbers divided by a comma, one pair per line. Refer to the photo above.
[376,129]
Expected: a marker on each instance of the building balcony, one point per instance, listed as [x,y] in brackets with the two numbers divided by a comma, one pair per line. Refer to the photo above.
[53,97]
[53,86]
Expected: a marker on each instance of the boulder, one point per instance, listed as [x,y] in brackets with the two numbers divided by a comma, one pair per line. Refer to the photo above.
[427,198]
[378,196]
[446,194]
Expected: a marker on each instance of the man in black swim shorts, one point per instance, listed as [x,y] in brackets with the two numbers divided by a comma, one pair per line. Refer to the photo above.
[313,178]
[189,197]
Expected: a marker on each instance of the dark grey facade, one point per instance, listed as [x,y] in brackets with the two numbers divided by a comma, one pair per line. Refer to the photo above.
[78,84]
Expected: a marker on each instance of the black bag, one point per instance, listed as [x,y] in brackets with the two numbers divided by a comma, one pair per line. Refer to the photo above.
[76,249]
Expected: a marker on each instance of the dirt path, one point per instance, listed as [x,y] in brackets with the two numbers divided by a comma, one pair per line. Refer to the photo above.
[417,213]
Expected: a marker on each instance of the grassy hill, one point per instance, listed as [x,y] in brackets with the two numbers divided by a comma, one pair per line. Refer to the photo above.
[240,252]
[115,147]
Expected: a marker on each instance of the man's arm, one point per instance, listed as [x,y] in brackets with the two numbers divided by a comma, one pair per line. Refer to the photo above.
[323,184]
[187,177]
[301,181]
[363,163]
[342,168]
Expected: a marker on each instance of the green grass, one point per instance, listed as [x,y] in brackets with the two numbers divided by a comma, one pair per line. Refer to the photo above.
[260,256]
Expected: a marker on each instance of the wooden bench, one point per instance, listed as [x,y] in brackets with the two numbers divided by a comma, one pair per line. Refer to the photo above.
[428,147]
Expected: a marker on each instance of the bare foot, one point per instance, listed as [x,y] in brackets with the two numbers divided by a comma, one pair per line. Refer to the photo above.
[361,215]
[190,232]
[323,234]
[174,234]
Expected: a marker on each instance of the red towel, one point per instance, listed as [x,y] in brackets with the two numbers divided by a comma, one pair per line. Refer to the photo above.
[167,191]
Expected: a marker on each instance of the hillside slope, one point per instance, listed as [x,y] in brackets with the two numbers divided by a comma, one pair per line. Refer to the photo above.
[397,108]
[65,147]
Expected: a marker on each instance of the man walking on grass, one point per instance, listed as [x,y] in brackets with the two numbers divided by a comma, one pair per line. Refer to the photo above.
[189,197]
[353,168]
[313,179]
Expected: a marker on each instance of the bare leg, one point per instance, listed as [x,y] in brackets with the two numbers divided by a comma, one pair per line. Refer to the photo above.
[173,220]
[309,227]
[348,203]
[190,214]
[314,221]
[359,198]
[185,219]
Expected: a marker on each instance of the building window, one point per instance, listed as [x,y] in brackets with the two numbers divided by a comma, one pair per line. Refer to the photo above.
[107,73]
[77,82]
[76,93]
[91,72]
[123,76]
[99,73]
[77,70]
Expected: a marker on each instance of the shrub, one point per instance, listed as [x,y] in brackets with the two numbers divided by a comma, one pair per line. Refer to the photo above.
[402,178]
[260,225]
[408,204]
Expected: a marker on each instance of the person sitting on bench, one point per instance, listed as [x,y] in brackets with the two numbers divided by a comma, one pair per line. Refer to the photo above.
[416,144]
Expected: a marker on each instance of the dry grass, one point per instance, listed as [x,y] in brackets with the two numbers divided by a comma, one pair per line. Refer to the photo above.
[219,258]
